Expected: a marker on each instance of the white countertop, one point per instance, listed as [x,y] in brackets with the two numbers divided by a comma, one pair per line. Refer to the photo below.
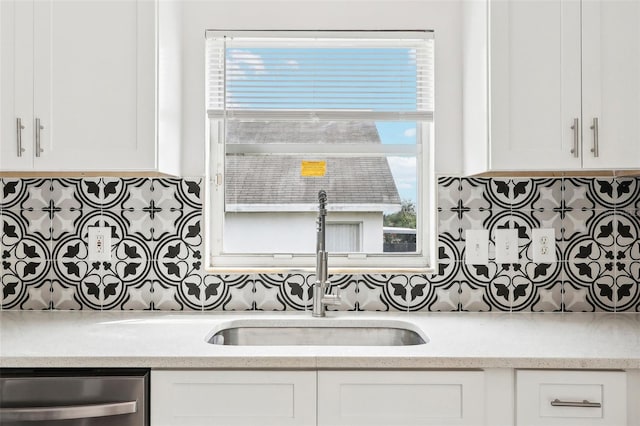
[457,340]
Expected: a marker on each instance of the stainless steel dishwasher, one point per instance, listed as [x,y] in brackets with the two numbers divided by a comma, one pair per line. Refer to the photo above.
[74,397]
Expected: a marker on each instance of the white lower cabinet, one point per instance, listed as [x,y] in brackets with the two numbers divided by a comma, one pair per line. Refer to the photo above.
[493,397]
[238,398]
[567,398]
[400,398]
[323,398]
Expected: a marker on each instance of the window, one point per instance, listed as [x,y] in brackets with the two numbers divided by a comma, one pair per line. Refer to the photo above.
[343,237]
[293,112]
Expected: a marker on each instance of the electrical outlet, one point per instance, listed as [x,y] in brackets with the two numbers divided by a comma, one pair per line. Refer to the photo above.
[507,246]
[543,245]
[99,243]
[476,247]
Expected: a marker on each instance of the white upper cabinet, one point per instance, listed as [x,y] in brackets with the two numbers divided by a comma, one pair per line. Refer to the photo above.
[549,69]
[611,83]
[85,71]
[535,83]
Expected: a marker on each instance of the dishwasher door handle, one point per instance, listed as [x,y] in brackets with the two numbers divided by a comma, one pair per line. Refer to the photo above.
[66,412]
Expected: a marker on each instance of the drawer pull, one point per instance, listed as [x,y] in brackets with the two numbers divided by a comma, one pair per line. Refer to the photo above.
[596,144]
[20,127]
[576,137]
[39,128]
[584,403]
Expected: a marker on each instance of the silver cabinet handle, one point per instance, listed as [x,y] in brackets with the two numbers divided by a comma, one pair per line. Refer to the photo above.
[39,127]
[19,128]
[594,127]
[576,137]
[43,414]
[584,403]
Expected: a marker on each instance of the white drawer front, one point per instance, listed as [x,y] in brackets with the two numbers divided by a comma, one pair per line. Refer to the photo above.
[353,398]
[544,398]
[232,398]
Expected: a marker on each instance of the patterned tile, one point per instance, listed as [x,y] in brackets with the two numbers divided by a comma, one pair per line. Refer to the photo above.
[16,192]
[189,193]
[157,250]
[594,279]
[64,296]
[165,298]
[139,297]
[575,298]
[435,292]
[347,286]
[626,191]
[627,286]
[593,237]
[267,295]
[537,287]
[473,298]
[589,193]
[486,287]
[381,292]
[481,194]
[546,195]
[448,193]
[228,292]
[25,283]
[283,292]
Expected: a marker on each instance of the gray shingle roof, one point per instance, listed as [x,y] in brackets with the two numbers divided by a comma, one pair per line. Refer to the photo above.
[277,179]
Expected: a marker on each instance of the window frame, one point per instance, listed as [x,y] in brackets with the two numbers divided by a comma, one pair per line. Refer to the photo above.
[422,261]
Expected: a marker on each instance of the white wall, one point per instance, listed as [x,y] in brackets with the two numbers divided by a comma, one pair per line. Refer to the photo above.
[169,86]
[292,232]
[443,16]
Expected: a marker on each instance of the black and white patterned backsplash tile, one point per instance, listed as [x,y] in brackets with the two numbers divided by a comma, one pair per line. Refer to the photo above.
[158,254]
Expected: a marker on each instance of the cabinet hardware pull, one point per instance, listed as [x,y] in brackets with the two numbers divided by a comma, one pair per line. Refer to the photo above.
[596,147]
[39,127]
[67,412]
[576,137]
[584,403]
[19,128]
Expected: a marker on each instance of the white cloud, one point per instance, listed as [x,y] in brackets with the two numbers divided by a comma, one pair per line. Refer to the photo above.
[245,61]
[410,132]
[403,170]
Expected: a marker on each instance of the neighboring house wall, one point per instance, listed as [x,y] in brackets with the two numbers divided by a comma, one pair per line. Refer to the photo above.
[278,232]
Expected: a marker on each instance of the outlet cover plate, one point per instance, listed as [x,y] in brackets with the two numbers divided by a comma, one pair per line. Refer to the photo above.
[543,245]
[99,244]
[507,246]
[476,247]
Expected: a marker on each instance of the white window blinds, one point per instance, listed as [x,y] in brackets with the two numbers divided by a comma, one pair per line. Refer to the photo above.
[320,75]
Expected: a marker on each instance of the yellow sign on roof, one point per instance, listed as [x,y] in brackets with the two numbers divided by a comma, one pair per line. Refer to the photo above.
[313,168]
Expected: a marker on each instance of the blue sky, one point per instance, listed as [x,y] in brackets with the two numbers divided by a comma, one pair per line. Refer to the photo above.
[377,78]
[402,168]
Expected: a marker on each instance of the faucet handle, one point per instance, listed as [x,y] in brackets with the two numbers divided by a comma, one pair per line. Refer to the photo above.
[332,299]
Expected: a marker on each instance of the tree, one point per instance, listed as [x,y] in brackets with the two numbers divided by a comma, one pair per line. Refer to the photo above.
[405,218]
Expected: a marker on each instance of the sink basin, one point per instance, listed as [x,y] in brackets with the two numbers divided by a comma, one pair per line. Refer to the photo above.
[317,332]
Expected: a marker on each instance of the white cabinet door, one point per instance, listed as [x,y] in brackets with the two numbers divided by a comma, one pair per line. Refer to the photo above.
[611,83]
[239,398]
[86,70]
[399,398]
[534,84]
[566,398]
[16,85]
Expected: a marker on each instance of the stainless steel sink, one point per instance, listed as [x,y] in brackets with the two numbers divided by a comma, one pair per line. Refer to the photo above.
[317,332]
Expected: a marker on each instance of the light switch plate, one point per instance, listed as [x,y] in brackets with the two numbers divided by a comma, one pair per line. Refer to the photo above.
[476,247]
[543,245]
[507,246]
[99,243]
